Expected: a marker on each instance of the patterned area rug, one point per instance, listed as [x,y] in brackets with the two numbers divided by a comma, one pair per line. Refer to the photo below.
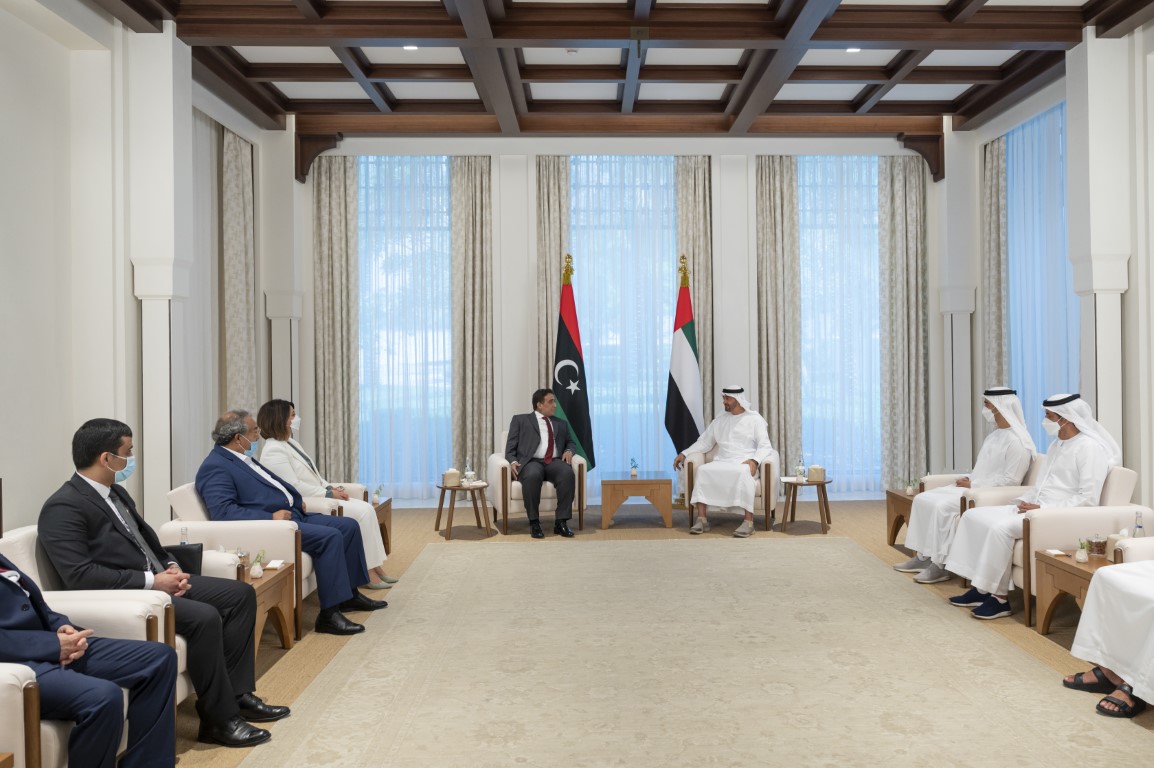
[682,653]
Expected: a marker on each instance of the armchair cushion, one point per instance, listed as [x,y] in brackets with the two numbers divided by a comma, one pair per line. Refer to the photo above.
[1134,550]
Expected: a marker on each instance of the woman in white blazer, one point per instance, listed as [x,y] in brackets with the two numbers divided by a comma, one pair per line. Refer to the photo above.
[288,460]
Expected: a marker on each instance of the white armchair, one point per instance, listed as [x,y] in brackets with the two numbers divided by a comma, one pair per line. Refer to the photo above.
[1133,550]
[507,494]
[764,495]
[280,539]
[124,614]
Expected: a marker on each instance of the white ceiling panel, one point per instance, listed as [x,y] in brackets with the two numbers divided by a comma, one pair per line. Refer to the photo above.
[322,90]
[712,2]
[1066,3]
[591,56]
[943,92]
[681,91]
[574,91]
[420,56]
[838,57]
[694,57]
[434,91]
[571,2]
[273,54]
[968,58]
[818,92]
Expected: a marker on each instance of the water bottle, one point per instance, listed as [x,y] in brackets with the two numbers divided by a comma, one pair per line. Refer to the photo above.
[1139,529]
[184,533]
[469,474]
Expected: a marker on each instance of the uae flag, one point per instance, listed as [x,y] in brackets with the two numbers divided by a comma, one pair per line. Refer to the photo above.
[684,414]
[570,386]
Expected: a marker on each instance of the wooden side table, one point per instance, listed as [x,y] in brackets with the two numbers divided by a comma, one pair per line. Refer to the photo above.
[274,597]
[792,484]
[898,505]
[6,759]
[478,512]
[385,520]
[1062,575]
[616,487]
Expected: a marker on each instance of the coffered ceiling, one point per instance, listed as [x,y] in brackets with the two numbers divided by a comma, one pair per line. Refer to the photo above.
[628,67]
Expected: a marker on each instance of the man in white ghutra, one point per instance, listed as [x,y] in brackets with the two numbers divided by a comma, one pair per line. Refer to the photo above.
[729,479]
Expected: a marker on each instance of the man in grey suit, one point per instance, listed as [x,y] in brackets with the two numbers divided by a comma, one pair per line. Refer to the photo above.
[535,441]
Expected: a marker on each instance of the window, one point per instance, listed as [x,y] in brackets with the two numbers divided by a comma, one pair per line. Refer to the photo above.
[840,320]
[405,323]
[1043,308]
[623,237]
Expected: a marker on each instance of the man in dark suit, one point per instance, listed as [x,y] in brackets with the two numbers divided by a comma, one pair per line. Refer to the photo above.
[235,486]
[80,677]
[536,441]
[95,538]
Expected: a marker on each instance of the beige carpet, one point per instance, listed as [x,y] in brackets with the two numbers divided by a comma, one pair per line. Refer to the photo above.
[713,651]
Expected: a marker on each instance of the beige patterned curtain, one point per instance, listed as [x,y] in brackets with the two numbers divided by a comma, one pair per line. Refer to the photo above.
[238,278]
[779,305]
[995,254]
[552,244]
[695,241]
[335,301]
[472,243]
[904,335]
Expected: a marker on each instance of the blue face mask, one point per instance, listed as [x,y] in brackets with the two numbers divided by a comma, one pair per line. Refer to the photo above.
[129,468]
[251,450]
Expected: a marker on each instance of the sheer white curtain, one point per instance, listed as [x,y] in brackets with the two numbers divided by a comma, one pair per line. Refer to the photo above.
[405,323]
[1043,308]
[840,316]
[623,236]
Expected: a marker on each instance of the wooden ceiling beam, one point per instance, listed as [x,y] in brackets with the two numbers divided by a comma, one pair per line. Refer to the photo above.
[1035,71]
[311,9]
[962,10]
[634,53]
[140,15]
[354,61]
[378,73]
[485,62]
[782,63]
[902,65]
[1122,18]
[845,125]
[391,125]
[217,71]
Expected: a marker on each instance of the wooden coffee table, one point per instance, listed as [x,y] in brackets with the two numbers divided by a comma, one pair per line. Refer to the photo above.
[274,597]
[898,505]
[616,487]
[1062,575]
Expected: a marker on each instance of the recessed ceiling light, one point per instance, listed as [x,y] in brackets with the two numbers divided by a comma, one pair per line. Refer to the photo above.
[410,47]
[853,50]
[571,51]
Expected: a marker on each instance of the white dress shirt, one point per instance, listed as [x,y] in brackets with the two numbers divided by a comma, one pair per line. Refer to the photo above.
[544,429]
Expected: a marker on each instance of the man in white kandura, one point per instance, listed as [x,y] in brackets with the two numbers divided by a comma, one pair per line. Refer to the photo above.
[1117,631]
[1077,462]
[1003,460]
[729,479]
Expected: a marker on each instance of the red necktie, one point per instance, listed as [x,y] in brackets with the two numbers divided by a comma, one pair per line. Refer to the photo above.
[19,581]
[549,446]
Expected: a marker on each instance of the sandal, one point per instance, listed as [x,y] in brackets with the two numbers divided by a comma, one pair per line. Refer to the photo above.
[1081,682]
[1124,710]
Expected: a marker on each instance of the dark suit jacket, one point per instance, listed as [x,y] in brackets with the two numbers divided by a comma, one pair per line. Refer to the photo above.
[27,625]
[88,545]
[232,491]
[525,436]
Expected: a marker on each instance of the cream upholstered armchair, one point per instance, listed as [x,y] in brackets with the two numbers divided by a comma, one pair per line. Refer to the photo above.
[507,495]
[1134,550]
[280,539]
[764,495]
[124,614]
[930,482]
[1062,527]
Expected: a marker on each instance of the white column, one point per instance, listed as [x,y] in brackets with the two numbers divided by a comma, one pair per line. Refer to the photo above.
[734,272]
[158,104]
[1099,203]
[515,320]
[282,267]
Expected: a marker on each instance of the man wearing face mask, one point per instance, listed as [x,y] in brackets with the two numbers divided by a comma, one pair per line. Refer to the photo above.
[95,538]
[1003,460]
[235,486]
[1077,462]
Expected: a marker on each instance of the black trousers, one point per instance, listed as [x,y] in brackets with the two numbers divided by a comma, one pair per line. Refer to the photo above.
[216,617]
[534,472]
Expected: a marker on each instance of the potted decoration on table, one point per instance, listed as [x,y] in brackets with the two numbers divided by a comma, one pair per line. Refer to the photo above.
[911,486]
[257,569]
[633,467]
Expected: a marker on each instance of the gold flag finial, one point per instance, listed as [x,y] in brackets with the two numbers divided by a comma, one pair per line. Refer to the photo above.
[567,270]
[683,270]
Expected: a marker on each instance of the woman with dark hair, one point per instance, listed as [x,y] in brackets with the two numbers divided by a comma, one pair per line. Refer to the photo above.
[285,457]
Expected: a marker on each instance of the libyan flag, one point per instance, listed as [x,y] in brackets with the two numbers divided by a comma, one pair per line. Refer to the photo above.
[570,386]
[684,414]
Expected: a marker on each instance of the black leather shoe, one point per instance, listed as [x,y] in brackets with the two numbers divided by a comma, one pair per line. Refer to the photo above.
[256,711]
[336,623]
[232,733]
[561,528]
[359,602]
[535,529]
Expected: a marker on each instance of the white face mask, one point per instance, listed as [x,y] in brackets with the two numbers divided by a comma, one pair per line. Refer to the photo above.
[295,424]
[988,415]
[1052,427]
